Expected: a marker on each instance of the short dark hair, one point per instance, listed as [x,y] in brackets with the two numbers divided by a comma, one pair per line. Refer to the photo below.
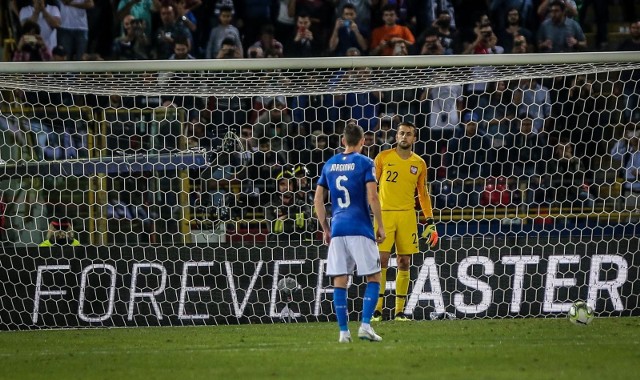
[228,41]
[226,8]
[353,133]
[349,6]
[559,3]
[410,125]
[30,26]
[181,40]
[389,8]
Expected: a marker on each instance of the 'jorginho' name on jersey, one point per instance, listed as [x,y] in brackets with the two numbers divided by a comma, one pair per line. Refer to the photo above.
[342,167]
[346,176]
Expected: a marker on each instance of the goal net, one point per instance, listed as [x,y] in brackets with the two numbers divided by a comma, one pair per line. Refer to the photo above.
[180,192]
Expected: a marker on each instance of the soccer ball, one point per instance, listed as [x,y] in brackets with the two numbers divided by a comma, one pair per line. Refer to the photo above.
[580,313]
[288,286]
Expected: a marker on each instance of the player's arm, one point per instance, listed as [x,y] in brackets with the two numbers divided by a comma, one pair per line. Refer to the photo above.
[378,163]
[430,233]
[321,212]
[374,203]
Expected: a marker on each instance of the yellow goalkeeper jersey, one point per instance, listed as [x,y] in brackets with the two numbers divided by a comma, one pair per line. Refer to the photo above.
[398,180]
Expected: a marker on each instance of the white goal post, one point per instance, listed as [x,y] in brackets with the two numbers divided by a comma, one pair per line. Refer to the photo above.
[158,187]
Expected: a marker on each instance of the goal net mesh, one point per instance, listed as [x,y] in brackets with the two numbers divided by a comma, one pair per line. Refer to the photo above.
[173,193]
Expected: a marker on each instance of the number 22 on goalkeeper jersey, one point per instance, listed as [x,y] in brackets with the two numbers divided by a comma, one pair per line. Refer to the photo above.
[346,176]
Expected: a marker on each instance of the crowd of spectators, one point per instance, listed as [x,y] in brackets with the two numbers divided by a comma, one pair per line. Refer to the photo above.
[545,135]
[152,29]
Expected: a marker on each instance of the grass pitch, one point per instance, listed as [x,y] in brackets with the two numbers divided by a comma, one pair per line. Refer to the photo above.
[461,349]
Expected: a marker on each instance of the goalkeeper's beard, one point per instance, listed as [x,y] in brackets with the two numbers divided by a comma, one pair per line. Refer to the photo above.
[403,145]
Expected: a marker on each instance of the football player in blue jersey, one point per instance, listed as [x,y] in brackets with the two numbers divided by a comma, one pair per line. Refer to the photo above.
[350,179]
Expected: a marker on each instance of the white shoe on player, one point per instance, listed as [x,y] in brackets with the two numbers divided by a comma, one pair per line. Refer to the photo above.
[345,337]
[367,333]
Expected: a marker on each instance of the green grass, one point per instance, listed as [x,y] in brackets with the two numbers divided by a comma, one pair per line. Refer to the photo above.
[462,349]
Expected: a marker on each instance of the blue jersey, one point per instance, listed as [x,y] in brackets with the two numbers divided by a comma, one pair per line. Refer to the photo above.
[346,176]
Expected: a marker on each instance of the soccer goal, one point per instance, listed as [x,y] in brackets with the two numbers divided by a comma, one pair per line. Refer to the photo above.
[179,192]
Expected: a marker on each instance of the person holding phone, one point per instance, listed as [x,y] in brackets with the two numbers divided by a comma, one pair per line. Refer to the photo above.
[31,46]
[347,33]
[47,16]
[303,43]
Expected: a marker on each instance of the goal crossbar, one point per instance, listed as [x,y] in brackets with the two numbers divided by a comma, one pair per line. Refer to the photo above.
[295,76]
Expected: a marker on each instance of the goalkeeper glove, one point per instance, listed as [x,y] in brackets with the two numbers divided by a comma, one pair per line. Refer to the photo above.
[430,233]
[300,220]
[278,226]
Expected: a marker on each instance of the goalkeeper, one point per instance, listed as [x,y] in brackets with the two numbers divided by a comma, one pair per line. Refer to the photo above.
[400,172]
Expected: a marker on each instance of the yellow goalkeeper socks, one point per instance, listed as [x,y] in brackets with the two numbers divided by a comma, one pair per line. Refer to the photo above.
[383,286]
[402,287]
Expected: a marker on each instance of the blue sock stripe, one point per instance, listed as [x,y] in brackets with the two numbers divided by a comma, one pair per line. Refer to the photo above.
[370,301]
[340,306]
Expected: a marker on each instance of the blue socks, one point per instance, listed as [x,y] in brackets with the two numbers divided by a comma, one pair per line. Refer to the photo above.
[370,301]
[340,306]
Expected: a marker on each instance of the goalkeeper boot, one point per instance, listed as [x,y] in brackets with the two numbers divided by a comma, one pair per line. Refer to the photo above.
[400,317]
[366,333]
[377,316]
[345,337]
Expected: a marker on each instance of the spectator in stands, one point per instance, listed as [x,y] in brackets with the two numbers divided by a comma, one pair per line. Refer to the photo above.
[267,45]
[317,153]
[631,78]
[565,177]
[168,32]
[486,42]
[370,148]
[520,45]
[532,100]
[560,33]
[497,106]
[140,10]
[219,5]
[432,44]
[229,49]
[508,35]
[632,177]
[47,16]
[466,161]
[185,16]
[544,9]
[60,233]
[386,132]
[622,150]
[196,135]
[431,14]
[363,13]
[469,34]
[252,16]
[181,49]
[466,156]
[225,31]
[500,11]
[31,46]
[134,42]
[303,43]
[73,32]
[288,214]
[390,37]
[276,124]
[528,152]
[446,31]
[347,33]
[320,14]
[284,22]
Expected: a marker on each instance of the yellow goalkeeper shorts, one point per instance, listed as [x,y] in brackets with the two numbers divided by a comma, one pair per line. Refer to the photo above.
[401,228]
